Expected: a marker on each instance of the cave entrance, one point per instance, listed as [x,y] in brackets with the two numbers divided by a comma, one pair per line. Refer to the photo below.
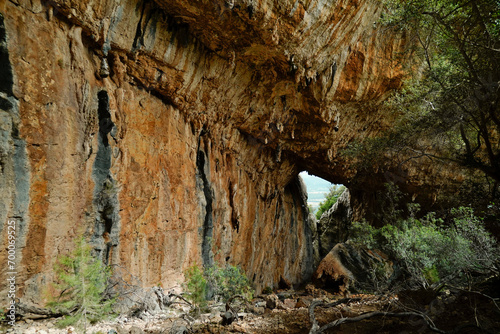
[318,190]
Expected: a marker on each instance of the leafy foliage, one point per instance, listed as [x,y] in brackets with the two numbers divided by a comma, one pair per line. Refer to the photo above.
[448,108]
[215,281]
[83,281]
[330,200]
[227,282]
[431,251]
[196,285]
[390,204]
[267,290]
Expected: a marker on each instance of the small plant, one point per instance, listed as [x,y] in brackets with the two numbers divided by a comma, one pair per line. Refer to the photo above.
[195,285]
[431,274]
[215,281]
[267,290]
[227,282]
[82,284]
[330,200]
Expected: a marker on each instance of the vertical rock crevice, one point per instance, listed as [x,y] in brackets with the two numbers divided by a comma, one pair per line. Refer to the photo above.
[106,205]
[6,74]
[235,223]
[6,82]
[207,198]
[139,33]
[146,25]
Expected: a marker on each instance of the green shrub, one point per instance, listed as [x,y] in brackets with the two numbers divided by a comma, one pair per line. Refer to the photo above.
[227,282]
[267,290]
[82,282]
[363,234]
[482,250]
[215,281]
[196,285]
[330,200]
[432,252]
[431,275]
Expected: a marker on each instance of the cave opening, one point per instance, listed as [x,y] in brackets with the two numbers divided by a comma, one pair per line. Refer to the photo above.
[318,190]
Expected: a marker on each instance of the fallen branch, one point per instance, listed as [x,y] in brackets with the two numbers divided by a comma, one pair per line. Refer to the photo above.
[23,309]
[343,301]
[316,329]
[231,314]
[171,300]
[228,303]
[494,300]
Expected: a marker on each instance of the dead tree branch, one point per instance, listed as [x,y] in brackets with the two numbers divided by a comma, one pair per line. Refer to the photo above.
[493,300]
[316,329]
[231,314]
[228,303]
[23,310]
[176,296]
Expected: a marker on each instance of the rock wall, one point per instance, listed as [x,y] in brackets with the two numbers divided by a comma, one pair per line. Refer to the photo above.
[155,188]
[171,132]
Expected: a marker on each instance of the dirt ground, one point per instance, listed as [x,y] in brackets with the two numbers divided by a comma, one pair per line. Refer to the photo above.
[288,312]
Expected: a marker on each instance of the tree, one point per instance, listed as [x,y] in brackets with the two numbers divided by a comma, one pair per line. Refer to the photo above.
[449,106]
[83,282]
[195,285]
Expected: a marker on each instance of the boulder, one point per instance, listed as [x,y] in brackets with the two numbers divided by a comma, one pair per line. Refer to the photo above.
[333,226]
[352,268]
[303,302]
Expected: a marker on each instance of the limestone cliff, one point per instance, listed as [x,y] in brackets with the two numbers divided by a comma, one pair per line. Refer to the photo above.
[172,132]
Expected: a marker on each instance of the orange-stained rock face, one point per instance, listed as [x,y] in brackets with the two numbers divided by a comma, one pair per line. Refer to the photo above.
[188,152]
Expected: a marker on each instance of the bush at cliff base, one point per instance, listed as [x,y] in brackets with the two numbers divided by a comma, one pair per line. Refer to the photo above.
[432,252]
[216,282]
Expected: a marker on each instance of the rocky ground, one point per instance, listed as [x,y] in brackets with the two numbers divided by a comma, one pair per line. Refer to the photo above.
[289,312]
